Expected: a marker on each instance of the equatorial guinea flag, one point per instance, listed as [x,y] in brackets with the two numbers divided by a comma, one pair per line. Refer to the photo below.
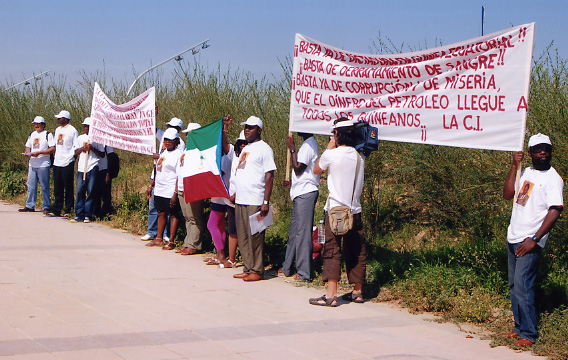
[202,163]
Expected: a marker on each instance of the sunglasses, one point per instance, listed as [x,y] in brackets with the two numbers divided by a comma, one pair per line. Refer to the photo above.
[540,147]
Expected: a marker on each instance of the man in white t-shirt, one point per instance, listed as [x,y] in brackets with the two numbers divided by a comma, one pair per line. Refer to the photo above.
[345,168]
[39,146]
[535,211]
[254,179]
[177,124]
[304,194]
[64,166]
[87,170]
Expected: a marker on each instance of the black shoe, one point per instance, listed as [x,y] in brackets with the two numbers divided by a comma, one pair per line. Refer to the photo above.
[26,209]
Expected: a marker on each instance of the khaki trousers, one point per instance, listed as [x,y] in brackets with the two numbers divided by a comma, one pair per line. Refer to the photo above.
[251,246]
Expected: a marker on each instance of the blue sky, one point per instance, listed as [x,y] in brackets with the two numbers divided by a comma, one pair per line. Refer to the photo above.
[67,37]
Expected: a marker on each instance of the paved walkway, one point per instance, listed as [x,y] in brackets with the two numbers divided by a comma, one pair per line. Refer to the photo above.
[85,291]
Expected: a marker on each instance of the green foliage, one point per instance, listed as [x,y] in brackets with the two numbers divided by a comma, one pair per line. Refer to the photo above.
[552,335]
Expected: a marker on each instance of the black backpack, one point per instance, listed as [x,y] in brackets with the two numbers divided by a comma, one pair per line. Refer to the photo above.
[366,137]
[113,164]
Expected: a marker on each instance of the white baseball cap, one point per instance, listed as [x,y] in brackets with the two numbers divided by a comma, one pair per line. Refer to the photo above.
[539,139]
[191,127]
[253,121]
[171,134]
[175,122]
[242,136]
[88,121]
[63,114]
[38,120]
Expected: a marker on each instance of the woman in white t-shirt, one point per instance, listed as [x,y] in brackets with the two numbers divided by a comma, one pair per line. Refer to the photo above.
[164,187]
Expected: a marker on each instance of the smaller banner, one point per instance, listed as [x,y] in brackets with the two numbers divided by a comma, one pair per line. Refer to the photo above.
[201,169]
[130,126]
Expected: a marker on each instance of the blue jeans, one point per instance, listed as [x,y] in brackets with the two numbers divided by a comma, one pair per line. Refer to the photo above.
[300,247]
[84,205]
[40,174]
[522,273]
[153,220]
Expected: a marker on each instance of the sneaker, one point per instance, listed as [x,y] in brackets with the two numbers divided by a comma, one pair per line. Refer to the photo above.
[147,237]
[66,216]
[46,212]
[50,214]
[26,209]
[166,239]
[87,220]
[77,219]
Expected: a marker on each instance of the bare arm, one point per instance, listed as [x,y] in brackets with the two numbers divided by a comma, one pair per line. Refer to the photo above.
[226,122]
[268,183]
[549,220]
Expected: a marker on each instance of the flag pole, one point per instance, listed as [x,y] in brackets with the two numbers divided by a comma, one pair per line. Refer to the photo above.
[288,160]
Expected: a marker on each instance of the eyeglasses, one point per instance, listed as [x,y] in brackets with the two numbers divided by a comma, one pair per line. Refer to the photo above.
[540,147]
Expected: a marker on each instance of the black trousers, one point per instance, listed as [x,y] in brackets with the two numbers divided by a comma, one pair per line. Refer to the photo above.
[63,188]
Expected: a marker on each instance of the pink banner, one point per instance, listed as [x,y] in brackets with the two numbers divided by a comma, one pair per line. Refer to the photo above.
[471,94]
[130,126]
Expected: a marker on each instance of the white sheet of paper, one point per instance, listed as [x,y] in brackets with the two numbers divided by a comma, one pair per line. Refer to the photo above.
[257,224]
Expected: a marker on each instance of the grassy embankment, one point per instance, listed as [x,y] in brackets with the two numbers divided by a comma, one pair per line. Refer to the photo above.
[434,217]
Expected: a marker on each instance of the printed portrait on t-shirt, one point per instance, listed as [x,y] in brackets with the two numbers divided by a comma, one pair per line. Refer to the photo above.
[159,164]
[525,193]
[60,138]
[243,160]
[36,144]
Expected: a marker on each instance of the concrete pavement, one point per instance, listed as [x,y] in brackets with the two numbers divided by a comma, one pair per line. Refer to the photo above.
[85,291]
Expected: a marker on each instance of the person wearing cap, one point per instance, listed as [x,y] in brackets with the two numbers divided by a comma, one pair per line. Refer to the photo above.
[254,179]
[345,168]
[163,187]
[176,124]
[304,191]
[64,166]
[38,147]
[87,170]
[192,212]
[537,206]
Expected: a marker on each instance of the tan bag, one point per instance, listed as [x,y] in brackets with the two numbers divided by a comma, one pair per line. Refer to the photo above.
[340,220]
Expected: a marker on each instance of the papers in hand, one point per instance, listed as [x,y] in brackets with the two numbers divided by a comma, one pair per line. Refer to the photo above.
[258,224]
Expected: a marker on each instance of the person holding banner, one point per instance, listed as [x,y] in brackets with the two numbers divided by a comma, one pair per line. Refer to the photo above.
[192,211]
[254,179]
[64,166]
[164,188]
[304,194]
[39,146]
[345,184]
[176,124]
[87,170]
[537,207]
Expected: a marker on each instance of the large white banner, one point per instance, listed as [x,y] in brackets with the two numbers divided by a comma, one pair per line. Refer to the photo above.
[471,94]
[130,126]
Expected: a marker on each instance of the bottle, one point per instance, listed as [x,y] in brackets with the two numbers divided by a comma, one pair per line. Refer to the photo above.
[321,233]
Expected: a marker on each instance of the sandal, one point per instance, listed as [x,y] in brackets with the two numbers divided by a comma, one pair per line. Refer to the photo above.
[231,265]
[155,242]
[324,301]
[180,249]
[169,246]
[357,298]
[213,262]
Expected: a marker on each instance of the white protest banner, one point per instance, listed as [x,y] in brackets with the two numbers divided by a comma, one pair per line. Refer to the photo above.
[130,126]
[471,94]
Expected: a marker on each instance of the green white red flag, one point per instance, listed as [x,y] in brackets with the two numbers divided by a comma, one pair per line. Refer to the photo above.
[202,163]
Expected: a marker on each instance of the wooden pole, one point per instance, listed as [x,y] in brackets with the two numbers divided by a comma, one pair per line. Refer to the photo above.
[86,163]
[517,179]
[288,160]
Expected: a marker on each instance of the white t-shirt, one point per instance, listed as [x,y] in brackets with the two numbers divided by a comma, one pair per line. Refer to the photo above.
[93,159]
[341,163]
[103,162]
[539,191]
[166,174]
[65,137]
[307,181]
[40,142]
[255,161]
[226,163]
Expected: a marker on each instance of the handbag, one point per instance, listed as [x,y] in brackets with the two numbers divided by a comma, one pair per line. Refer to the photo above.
[340,217]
